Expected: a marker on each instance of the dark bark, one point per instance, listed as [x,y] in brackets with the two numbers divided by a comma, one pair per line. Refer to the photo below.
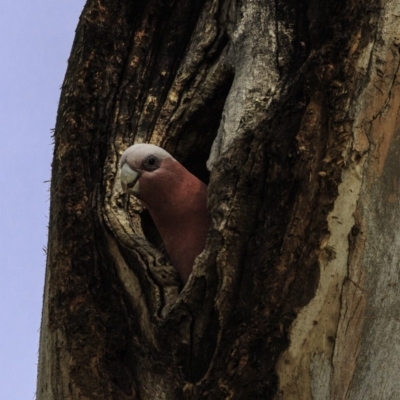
[265,91]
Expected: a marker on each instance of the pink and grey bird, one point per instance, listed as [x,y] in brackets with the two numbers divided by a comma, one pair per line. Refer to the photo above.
[176,200]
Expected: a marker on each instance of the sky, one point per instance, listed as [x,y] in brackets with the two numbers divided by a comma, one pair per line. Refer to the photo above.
[35,42]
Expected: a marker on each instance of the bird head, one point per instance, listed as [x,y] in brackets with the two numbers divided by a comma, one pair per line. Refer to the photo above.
[138,160]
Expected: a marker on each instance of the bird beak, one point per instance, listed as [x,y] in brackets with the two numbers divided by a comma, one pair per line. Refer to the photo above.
[130,180]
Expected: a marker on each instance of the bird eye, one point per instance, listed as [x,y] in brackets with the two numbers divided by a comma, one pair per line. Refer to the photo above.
[150,163]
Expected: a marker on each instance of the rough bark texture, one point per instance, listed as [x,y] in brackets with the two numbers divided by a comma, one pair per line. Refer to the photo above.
[295,105]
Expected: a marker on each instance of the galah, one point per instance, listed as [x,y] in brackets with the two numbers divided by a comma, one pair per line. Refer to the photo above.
[176,200]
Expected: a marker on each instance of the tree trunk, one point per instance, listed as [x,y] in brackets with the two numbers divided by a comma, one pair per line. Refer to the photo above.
[295,105]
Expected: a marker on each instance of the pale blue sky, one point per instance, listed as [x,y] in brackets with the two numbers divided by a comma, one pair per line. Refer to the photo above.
[35,42]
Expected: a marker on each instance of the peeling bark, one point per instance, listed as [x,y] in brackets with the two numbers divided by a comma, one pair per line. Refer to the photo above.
[294,107]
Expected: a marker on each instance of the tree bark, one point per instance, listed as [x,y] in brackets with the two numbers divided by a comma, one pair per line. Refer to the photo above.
[294,106]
